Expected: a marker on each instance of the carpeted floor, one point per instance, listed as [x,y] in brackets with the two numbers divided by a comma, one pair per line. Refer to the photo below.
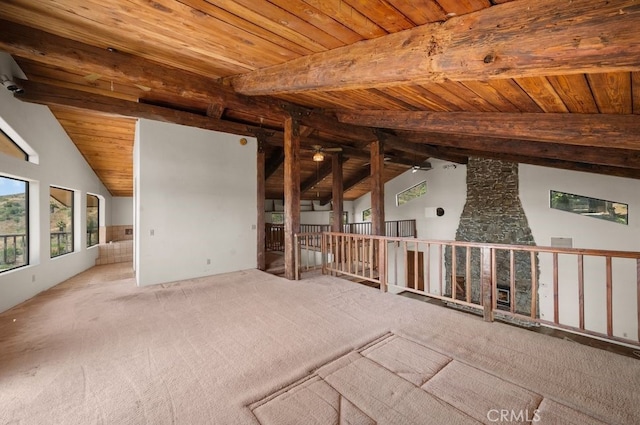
[249,348]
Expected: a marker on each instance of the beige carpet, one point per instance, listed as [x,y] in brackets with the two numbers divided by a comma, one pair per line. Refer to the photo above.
[249,347]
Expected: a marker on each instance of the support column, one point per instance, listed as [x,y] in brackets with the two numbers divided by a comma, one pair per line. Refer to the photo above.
[337,191]
[377,188]
[291,193]
[260,207]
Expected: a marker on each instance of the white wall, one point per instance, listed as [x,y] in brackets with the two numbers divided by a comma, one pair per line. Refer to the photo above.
[60,164]
[446,188]
[195,201]
[122,211]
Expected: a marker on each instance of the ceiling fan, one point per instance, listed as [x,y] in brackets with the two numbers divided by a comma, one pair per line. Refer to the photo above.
[319,151]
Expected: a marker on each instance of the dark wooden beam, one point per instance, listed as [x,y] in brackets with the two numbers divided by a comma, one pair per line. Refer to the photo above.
[273,163]
[377,188]
[260,198]
[46,94]
[337,191]
[291,194]
[525,38]
[440,146]
[598,130]
[359,177]
[321,173]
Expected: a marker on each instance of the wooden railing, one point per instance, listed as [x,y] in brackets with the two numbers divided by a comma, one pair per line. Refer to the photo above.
[274,233]
[593,292]
[13,249]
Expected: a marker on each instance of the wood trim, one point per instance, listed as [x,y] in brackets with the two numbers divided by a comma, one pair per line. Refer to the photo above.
[581,291]
[555,288]
[526,38]
[487,284]
[609,271]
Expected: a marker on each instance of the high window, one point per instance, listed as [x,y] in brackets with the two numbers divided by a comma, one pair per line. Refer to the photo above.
[590,207]
[14,223]
[93,219]
[61,221]
[9,147]
[412,193]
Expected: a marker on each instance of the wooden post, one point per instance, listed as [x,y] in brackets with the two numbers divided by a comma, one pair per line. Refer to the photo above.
[337,191]
[260,240]
[377,188]
[487,284]
[291,193]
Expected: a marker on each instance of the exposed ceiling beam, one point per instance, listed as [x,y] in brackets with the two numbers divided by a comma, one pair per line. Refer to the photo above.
[46,94]
[452,144]
[525,38]
[597,130]
[274,162]
[348,184]
[52,50]
[316,178]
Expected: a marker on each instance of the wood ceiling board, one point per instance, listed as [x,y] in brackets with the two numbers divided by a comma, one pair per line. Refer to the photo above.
[420,98]
[462,95]
[491,95]
[575,92]
[542,92]
[319,19]
[420,12]
[513,93]
[461,7]
[349,17]
[612,92]
[382,14]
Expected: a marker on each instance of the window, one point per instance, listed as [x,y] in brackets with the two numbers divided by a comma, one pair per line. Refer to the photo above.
[93,219]
[366,215]
[14,223]
[9,147]
[61,221]
[412,193]
[591,207]
[277,218]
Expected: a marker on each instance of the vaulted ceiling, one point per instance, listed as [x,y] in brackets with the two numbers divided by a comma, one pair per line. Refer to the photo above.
[546,82]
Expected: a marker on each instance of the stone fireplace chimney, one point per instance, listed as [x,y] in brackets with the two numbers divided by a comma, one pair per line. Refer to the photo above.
[493,213]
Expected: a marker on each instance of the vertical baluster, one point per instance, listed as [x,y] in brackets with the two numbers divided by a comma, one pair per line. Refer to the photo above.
[467,278]
[534,286]
[405,262]
[427,283]
[415,267]
[555,289]
[487,285]
[512,281]
[440,268]
[581,290]
[638,293]
[454,271]
[609,297]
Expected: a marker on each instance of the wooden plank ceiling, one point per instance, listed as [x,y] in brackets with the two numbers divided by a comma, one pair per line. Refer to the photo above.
[340,67]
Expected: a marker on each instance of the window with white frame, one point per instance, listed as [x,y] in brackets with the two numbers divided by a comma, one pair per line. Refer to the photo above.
[61,212]
[93,219]
[411,193]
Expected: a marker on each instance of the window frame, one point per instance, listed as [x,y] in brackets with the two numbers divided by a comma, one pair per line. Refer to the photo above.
[72,225]
[25,155]
[608,205]
[399,194]
[97,232]
[25,242]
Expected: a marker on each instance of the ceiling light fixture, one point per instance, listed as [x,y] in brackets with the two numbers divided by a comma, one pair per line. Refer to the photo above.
[318,157]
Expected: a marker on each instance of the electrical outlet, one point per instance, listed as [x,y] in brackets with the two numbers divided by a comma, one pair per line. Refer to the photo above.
[152,232]
[208,261]
[33,278]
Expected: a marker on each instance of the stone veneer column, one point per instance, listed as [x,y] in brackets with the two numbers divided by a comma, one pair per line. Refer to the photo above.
[493,213]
